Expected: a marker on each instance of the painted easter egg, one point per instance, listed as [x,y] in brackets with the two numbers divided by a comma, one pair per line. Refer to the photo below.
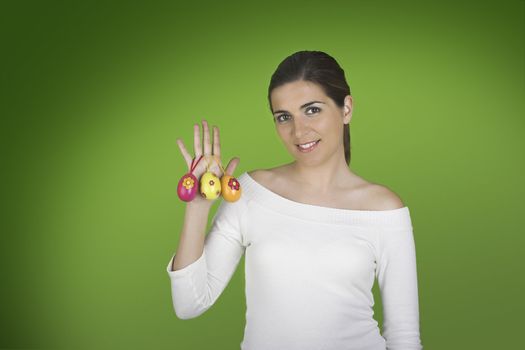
[187,188]
[231,188]
[210,185]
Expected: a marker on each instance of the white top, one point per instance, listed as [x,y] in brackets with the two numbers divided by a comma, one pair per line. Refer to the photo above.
[309,273]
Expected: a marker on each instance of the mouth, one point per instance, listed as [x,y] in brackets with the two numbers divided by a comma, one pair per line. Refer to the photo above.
[308,147]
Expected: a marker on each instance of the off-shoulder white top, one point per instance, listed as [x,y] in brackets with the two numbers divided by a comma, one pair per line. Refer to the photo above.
[309,273]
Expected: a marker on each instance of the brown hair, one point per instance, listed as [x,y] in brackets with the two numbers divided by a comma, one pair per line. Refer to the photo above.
[320,68]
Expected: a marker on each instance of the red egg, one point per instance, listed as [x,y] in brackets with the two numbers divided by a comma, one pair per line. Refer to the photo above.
[188,187]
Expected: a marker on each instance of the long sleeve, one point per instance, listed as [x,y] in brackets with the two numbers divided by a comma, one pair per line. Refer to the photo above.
[196,287]
[397,277]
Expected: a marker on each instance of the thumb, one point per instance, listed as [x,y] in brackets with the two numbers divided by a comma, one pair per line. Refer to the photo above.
[232,165]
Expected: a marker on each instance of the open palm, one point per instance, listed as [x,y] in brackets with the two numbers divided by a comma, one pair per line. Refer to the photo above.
[211,158]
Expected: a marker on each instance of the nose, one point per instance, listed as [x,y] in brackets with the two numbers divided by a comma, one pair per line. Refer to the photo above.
[300,128]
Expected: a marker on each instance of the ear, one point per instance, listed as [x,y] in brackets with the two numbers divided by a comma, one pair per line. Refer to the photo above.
[347,109]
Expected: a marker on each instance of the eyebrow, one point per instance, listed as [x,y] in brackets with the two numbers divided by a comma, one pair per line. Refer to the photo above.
[303,106]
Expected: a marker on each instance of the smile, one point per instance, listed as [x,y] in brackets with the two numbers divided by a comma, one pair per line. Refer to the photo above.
[308,147]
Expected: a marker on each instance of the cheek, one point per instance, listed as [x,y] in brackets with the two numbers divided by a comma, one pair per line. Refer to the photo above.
[325,127]
[282,131]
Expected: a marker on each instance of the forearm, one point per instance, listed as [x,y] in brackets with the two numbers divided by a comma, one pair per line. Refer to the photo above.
[191,241]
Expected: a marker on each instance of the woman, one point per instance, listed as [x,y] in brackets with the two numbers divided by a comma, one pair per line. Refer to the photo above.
[315,234]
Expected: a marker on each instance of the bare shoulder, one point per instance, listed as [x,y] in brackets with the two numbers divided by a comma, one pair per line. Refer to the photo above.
[273,178]
[380,197]
[258,174]
[358,193]
[266,174]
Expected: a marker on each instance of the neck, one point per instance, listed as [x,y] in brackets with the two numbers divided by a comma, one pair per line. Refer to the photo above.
[322,178]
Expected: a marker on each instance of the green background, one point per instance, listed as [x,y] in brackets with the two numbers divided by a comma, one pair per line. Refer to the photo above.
[94,95]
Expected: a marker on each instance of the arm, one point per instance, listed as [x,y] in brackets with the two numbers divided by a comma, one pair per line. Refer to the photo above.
[397,277]
[191,242]
[196,286]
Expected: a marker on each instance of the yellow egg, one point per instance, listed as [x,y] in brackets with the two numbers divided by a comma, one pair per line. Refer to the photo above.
[231,188]
[210,185]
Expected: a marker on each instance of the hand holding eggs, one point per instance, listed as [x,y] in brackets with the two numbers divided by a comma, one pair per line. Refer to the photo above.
[209,180]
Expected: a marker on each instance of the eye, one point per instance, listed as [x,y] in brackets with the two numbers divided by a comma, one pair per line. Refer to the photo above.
[279,120]
[314,108]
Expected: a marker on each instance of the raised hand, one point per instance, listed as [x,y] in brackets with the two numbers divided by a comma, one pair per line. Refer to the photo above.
[210,157]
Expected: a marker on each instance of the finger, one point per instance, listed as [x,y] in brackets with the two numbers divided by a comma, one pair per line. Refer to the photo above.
[184,152]
[207,144]
[197,140]
[216,142]
[230,169]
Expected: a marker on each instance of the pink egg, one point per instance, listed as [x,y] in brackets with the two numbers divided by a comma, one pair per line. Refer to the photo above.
[188,187]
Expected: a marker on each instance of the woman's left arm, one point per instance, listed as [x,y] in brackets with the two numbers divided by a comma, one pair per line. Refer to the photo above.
[397,278]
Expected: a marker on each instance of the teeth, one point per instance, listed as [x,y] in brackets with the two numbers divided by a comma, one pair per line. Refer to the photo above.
[308,145]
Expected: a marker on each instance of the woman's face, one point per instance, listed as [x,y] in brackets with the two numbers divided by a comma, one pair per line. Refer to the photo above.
[303,113]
